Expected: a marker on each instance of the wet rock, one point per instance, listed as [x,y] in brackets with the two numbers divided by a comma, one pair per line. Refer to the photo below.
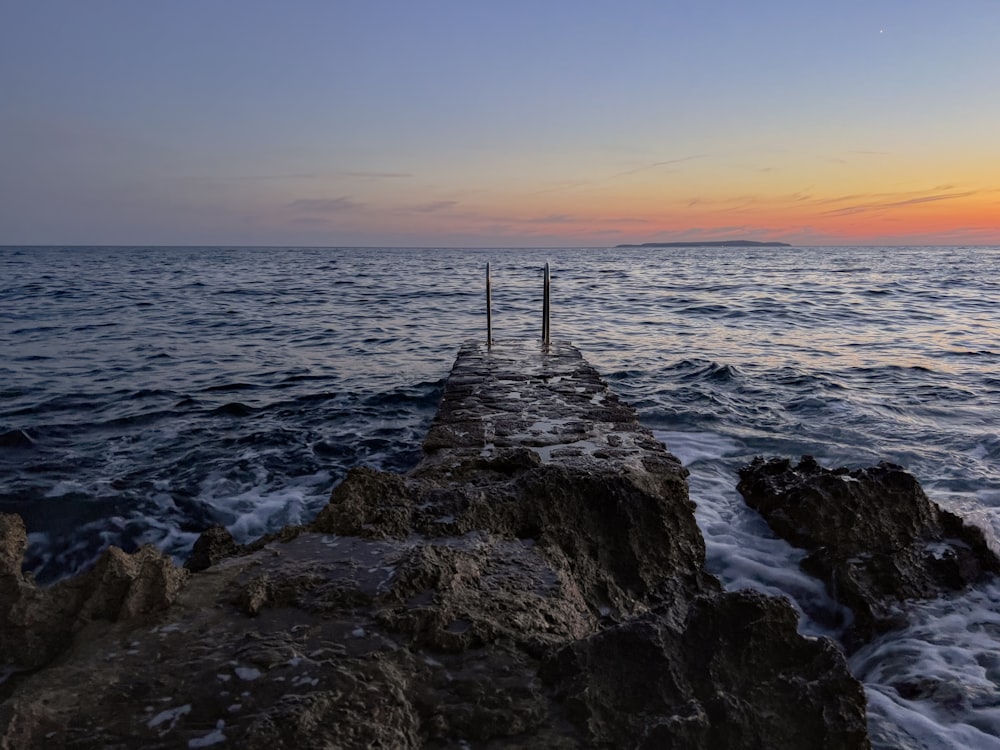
[537,581]
[368,503]
[213,545]
[874,536]
[629,539]
[38,624]
[34,627]
[13,542]
[125,586]
[717,679]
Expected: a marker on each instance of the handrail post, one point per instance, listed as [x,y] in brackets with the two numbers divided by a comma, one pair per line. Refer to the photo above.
[489,309]
[545,308]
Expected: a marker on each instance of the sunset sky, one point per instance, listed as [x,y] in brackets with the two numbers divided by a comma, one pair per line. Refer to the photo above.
[507,123]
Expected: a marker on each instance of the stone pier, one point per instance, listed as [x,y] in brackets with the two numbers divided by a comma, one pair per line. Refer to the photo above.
[548,400]
[536,581]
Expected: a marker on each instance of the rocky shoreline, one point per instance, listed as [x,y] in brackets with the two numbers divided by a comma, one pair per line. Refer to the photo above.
[536,581]
[874,537]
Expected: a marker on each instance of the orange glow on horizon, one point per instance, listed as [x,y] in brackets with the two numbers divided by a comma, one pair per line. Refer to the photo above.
[880,201]
[941,216]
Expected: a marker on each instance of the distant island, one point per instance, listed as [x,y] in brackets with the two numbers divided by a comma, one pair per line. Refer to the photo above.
[720,243]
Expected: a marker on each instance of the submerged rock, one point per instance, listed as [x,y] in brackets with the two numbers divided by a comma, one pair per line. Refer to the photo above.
[874,537]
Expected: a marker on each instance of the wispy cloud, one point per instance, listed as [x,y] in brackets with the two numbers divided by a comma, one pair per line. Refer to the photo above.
[842,199]
[562,186]
[552,219]
[839,159]
[568,185]
[698,232]
[727,204]
[860,208]
[301,176]
[589,222]
[324,205]
[377,175]
[432,206]
[272,177]
[658,164]
[308,221]
[290,177]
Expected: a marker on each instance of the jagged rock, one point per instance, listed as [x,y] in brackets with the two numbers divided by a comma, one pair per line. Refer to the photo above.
[874,536]
[34,627]
[717,679]
[212,545]
[630,540]
[128,586]
[13,542]
[368,503]
[37,625]
[537,581]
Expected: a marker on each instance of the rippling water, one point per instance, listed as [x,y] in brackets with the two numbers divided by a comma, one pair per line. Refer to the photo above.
[146,393]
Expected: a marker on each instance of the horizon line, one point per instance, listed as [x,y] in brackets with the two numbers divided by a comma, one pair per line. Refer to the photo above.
[690,243]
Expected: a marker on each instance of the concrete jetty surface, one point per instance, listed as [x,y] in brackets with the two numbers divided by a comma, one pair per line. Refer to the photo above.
[536,581]
[545,399]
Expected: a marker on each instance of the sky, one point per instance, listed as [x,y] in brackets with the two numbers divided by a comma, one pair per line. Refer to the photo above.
[499,123]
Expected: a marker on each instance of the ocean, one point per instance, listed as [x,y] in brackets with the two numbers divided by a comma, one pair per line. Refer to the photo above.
[148,393]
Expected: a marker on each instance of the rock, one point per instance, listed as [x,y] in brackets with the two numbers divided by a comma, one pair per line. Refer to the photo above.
[213,545]
[537,581]
[34,627]
[874,537]
[367,503]
[13,543]
[129,586]
[630,542]
[38,624]
[716,680]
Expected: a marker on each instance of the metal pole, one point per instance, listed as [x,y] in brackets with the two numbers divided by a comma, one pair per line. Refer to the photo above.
[545,308]
[489,309]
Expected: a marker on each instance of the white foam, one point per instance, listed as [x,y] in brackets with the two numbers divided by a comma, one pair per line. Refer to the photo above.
[939,677]
[171,715]
[742,550]
[256,508]
[980,451]
[65,487]
[212,738]
[947,660]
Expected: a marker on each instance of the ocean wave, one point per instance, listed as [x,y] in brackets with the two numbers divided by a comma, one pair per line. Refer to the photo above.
[194,386]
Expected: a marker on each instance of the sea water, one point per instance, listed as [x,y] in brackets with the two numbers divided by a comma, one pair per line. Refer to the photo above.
[147,393]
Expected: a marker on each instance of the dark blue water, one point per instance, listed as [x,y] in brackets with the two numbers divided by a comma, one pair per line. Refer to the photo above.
[146,393]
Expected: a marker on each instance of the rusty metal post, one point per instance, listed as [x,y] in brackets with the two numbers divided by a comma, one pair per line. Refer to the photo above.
[545,309]
[489,309]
